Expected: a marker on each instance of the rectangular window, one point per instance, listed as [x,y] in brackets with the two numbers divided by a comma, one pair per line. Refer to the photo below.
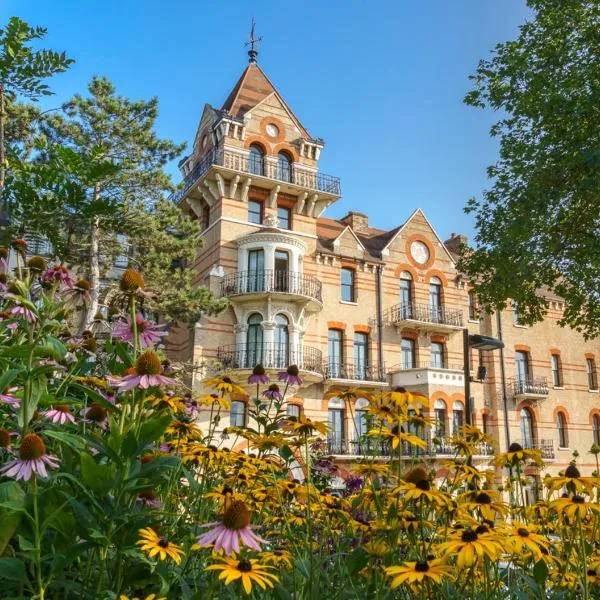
[556,371]
[336,435]
[335,344]
[293,410]
[408,353]
[361,355]
[437,355]
[237,414]
[285,217]
[591,373]
[458,419]
[522,366]
[348,285]
[484,423]
[255,212]
[472,309]
[440,422]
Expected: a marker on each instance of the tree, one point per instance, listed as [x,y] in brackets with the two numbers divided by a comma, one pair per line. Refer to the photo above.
[165,241]
[22,71]
[538,226]
[119,130]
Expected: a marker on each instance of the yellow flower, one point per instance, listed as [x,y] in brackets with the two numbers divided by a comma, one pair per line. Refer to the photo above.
[376,549]
[371,468]
[279,558]
[523,538]
[575,506]
[469,547]
[417,573]
[149,597]
[247,571]
[572,481]
[174,403]
[517,454]
[152,545]
[397,435]
[487,502]
[211,399]
[305,426]
[422,490]
[184,429]
[225,385]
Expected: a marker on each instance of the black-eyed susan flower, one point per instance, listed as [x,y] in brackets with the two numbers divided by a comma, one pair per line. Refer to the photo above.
[417,573]
[148,597]
[575,506]
[305,426]
[469,547]
[279,558]
[517,454]
[248,571]
[572,481]
[224,385]
[522,538]
[212,399]
[154,545]
[422,490]
[397,436]
[486,502]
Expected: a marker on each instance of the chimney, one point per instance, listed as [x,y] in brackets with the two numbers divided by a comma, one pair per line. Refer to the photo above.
[456,241]
[356,220]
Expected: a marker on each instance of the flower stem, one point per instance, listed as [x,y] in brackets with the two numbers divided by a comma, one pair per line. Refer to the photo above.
[37,540]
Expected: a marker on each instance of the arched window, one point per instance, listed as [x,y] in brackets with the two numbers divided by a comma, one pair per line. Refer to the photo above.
[336,417]
[293,411]
[435,299]
[254,340]
[406,294]
[282,336]
[561,426]
[527,436]
[237,414]
[596,429]
[440,418]
[256,160]
[458,416]
[284,167]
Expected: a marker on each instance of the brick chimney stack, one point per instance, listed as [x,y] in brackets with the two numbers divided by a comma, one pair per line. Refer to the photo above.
[356,220]
[456,241]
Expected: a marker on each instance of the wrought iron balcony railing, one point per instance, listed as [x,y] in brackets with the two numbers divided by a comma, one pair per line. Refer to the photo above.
[242,162]
[529,386]
[271,355]
[285,282]
[421,364]
[356,371]
[546,446]
[372,447]
[426,313]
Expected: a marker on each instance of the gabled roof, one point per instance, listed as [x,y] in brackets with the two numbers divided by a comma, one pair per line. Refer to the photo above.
[250,90]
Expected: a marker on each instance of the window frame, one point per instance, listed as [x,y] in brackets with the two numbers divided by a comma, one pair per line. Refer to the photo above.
[244,413]
[256,166]
[345,286]
[335,363]
[596,429]
[556,368]
[413,351]
[473,316]
[592,374]
[289,166]
[562,429]
[288,212]
[441,354]
[295,406]
[261,211]
[360,341]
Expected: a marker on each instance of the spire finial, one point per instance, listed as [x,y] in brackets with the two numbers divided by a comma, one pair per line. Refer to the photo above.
[253,53]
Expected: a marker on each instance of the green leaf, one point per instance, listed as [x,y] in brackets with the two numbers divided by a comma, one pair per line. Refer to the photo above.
[152,430]
[12,503]
[72,440]
[540,572]
[12,569]
[356,561]
[96,476]
[8,377]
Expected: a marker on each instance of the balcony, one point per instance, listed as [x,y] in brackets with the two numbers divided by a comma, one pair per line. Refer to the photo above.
[355,373]
[275,356]
[287,284]
[530,388]
[426,375]
[546,447]
[426,317]
[440,448]
[298,178]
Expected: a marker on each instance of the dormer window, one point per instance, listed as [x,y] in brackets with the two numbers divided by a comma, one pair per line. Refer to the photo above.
[284,167]
[256,160]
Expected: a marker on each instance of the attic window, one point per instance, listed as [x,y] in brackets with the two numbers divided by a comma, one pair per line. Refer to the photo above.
[272,130]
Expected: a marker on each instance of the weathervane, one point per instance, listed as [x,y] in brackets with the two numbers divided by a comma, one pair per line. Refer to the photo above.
[253,53]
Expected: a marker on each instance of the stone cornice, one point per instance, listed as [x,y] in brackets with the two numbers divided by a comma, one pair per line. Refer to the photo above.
[272,237]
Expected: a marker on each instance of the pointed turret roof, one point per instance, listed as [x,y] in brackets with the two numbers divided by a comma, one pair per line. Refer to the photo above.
[250,90]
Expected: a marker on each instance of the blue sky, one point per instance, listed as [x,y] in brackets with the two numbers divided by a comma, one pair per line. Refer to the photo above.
[381,81]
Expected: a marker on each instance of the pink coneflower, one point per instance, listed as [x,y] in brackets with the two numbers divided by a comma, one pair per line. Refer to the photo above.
[258,375]
[96,414]
[291,376]
[148,498]
[8,398]
[233,528]
[59,414]
[32,459]
[272,392]
[149,333]
[58,274]
[146,373]
[80,293]
[25,313]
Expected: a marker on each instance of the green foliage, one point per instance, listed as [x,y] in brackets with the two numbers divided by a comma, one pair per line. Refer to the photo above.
[538,226]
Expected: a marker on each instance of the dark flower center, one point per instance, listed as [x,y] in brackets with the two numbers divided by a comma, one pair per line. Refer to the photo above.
[481,529]
[273,387]
[469,536]
[148,364]
[523,532]
[227,380]
[277,552]
[421,566]
[293,371]
[96,413]
[423,485]
[236,516]
[64,408]
[131,281]
[36,263]
[163,543]
[572,472]
[578,500]
[258,370]
[245,566]
[591,573]
[32,447]
[4,438]
[514,447]
[483,498]
[83,285]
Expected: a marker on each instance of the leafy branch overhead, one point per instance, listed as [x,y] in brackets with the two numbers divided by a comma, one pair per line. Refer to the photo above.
[538,225]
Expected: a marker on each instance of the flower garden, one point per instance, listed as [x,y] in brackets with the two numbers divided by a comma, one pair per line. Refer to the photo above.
[110,489]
